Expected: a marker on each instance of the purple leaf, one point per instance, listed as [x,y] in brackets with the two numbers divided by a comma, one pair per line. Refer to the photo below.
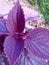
[30,14]
[37,43]
[13,47]
[16,21]
[3,28]
[27,59]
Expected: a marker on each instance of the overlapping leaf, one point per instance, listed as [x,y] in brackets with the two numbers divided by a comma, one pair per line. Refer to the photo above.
[16,21]
[13,48]
[37,43]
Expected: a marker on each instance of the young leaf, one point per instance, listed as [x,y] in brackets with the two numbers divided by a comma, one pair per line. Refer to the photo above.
[37,43]
[16,21]
[13,48]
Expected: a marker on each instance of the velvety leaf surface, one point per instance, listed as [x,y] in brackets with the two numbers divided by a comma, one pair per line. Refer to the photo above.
[3,28]
[30,14]
[37,43]
[27,59]
[16,21]
[13,48]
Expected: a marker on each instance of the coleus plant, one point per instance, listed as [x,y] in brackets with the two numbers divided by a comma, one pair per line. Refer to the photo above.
[35,42]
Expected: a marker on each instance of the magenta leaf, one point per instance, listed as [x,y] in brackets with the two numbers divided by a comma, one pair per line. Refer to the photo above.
[37,43]
[3,28]
[30,14]
[27,59]
[16,21]
[13,47]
